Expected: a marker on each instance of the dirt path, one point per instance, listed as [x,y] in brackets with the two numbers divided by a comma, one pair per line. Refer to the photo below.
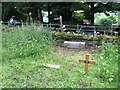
[63,51]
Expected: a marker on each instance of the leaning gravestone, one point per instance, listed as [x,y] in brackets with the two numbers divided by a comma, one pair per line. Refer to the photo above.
[74,45]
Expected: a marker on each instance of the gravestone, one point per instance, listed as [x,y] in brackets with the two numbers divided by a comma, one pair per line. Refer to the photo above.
[74,45]
[91,42]
[82,45]
[52,66]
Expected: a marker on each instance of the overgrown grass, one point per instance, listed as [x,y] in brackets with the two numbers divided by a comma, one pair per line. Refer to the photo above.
[25,49]
[107,64]
[26,41]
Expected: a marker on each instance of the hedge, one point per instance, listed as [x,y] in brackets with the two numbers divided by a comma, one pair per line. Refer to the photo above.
[74,36]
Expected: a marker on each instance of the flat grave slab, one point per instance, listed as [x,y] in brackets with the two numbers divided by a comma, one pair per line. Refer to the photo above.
[52,66]
[74,45]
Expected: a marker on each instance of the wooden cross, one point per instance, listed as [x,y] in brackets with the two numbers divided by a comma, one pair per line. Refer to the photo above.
[87,61]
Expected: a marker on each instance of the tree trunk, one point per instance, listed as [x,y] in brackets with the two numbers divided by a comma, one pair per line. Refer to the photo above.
[28,18]
[92,12]
[40,16]
[48,8]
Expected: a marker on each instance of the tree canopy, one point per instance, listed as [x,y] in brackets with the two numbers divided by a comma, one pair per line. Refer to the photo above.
[22,9]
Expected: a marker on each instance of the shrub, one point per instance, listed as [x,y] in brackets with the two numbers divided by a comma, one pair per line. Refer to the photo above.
[106,22]
[78,17]
[74,36]
[113,19]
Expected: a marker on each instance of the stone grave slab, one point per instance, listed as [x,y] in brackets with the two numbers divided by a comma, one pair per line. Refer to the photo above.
[74,45]
[52,66]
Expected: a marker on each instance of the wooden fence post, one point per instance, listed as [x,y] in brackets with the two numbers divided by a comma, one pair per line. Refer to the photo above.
[30,17]
[60,18]
[61,23]
[104,32]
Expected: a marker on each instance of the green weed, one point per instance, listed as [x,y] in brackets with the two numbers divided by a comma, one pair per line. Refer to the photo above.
[107,63]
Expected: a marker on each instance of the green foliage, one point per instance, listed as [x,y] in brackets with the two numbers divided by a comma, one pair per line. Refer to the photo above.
[7,10]
[74,36]
[107,63]
[106,22]
[26,41]
[113,19]
[78,17]
[58,8]
[98,16]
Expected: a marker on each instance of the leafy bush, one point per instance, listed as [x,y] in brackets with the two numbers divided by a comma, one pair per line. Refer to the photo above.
[106,22]
[78,17]
[113,19]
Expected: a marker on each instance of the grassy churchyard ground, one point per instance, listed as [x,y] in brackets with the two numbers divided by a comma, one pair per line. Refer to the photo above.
[27,49]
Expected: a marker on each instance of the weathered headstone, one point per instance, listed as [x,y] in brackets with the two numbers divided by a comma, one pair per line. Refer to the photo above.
[91,42]
[53,66]
[82,45]
[70,44]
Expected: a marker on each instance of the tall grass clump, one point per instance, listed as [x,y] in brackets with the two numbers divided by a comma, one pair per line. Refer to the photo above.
[25,41]
[107,63]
